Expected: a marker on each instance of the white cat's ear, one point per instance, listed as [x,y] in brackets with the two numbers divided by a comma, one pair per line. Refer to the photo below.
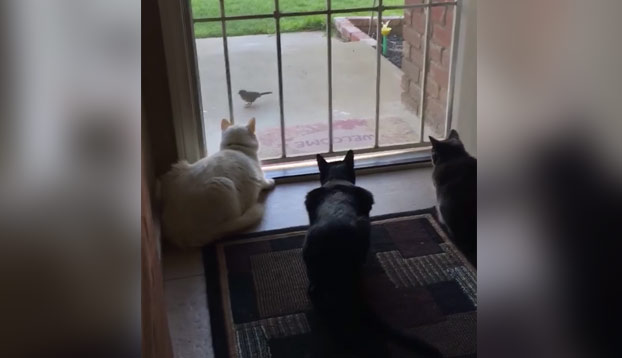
[224,124]
[251,125]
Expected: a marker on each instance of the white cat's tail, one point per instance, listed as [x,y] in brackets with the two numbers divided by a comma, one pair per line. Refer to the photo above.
[250,217]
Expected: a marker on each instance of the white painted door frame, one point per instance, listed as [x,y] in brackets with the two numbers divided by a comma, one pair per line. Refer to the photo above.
[181,63]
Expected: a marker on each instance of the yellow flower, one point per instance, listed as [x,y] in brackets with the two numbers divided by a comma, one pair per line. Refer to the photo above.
[385,30]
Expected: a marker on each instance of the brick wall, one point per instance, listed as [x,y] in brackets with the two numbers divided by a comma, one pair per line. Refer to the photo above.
[356,28]
[439,52]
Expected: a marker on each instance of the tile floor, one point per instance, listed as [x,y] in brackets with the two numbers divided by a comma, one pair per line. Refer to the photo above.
[395,191]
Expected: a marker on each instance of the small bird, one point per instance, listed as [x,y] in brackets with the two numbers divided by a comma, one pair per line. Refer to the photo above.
[250,96]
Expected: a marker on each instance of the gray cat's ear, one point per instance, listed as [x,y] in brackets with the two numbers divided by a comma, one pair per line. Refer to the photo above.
[454,134]
[349,159]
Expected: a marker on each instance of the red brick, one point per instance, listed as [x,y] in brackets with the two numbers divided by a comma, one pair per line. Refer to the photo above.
[416,56]
[449,17]
[340,23]
[347,30]
[412,37]
[434,112]
[439,73]
[358,36]
[431,88]
[435,52]
[442,35]
[446,57]
[442,94]
[418,20]
[344,32]
[438,15]
[405,83]
[414,91]
[408,16]
[406,50]
[350,27]
[412,2]
[411,70]
[434,106]
[410,102]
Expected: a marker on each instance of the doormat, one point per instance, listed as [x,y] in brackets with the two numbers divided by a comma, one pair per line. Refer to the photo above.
[416,281]
[347,134]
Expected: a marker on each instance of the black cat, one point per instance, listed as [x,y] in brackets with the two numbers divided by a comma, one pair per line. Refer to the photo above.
[338,237]
[455,179]
[334,252]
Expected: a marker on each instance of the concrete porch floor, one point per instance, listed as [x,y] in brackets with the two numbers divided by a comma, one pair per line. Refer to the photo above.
[253,65]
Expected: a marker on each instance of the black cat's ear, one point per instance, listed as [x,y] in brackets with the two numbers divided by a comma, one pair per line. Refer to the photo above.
[321,162]
[454,134]
[349,162]
[349,159]
[433,140]
[322,166]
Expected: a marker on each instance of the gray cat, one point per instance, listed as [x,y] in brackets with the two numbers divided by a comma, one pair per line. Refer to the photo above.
[455,179]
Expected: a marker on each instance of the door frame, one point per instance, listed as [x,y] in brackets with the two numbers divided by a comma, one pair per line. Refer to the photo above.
[182,68]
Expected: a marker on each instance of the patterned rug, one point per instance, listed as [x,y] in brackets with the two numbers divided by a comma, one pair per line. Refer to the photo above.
[348,133]
[418,282]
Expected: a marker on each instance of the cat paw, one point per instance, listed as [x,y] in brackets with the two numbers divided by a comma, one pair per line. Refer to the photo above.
[268,183]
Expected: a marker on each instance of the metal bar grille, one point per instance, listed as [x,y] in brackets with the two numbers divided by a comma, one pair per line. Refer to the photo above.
[329,11]
[424,71]
[279,62]
[321,12]
[452,69]
[329,52]
[226,52]
[378,59]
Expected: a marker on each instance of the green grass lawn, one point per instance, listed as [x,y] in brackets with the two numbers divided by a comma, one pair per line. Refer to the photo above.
[210,8]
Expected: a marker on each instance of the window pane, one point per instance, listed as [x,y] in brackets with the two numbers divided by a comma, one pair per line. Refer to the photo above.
[211,64]
[253,68]
[437,73]
[354,85]
[401,63]
[305,86]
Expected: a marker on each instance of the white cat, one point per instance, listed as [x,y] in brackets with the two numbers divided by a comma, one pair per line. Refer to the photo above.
[217,195]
